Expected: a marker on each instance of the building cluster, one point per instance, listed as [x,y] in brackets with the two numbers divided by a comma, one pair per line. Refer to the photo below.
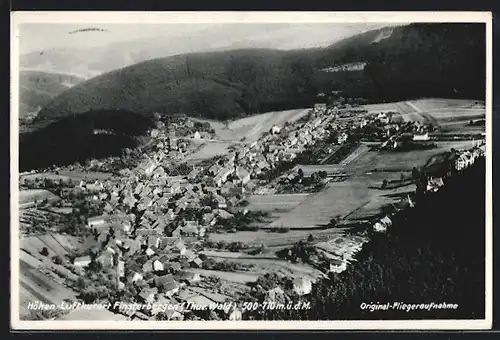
[146,234]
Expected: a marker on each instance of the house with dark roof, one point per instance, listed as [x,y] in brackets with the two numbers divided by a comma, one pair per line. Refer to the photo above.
[147,295]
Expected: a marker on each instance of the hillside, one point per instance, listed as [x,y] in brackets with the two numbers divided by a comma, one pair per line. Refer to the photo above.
[37,89]
[442,60]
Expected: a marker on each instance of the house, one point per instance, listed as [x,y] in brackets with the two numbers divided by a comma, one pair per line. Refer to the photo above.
[214,169]
[386,221]
[147,295]
[180,247]
[275,129]
[302,285]
[337,265]
[147,267]
[197,135]
[96,221]
[105,259]
[188,277]
[235,315]
[434,184]
[82,261]
[149,251]
[320,107]
[233,201]
[190,230]
[221,201]
[342,138]
[193,174]
[166,284]
[171,267]
[421,136]
[171,288]
[120,268]
[134,276]
[196,263]
[153,241]
[163,280]
[243,175]
[275,295]
[221,213]
[158,266]
[379,227]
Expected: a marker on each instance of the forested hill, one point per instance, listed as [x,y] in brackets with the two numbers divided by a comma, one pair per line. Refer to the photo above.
[417,60]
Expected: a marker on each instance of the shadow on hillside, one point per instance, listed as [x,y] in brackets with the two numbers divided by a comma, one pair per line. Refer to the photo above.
[89,135]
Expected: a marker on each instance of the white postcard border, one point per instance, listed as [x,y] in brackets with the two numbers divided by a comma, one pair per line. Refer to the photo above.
[103,17]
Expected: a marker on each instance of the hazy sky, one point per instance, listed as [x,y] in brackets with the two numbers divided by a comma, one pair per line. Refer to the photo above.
[42,36]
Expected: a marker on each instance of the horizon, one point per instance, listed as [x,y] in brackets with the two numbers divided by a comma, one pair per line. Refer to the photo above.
[33,37]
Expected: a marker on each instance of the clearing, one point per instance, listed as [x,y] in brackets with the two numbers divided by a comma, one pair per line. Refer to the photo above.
[28,197]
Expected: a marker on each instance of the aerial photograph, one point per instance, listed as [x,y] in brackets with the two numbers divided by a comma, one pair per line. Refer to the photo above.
[252,171]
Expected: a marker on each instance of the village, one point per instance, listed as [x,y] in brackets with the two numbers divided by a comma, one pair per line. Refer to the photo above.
[151,224]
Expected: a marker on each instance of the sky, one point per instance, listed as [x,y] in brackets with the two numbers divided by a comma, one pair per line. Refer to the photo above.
[43,36]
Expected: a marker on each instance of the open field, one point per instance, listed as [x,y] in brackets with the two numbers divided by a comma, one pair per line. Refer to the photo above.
[66,175]
[209,150]
[32,195]
[436,103]
[309,169]
[272,239]
[437,112]
[339,199]
[35,286]
[253,127]
[273,202]
[56,244]
[238,277]
[278,266]
[402,161]
[84,175]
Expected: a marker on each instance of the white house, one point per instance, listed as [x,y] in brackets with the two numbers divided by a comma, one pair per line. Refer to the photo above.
[302,285]
[82,261]
[95,221]
[434,184]
[275,129]
[337,266]
[421,136]
[379,227]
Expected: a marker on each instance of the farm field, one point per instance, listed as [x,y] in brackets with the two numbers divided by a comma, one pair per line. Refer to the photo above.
[31,195]
[263,266]
[56,244]
[272,239]
[237,277]
[66,175]
[436,103]
[402,161]
[209,150]
[84,175]
[438,112]
[273,202]
[309,169]
[35,286]
[339,199]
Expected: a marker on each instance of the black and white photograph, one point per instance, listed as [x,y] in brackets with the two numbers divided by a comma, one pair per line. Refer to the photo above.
[251,170]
